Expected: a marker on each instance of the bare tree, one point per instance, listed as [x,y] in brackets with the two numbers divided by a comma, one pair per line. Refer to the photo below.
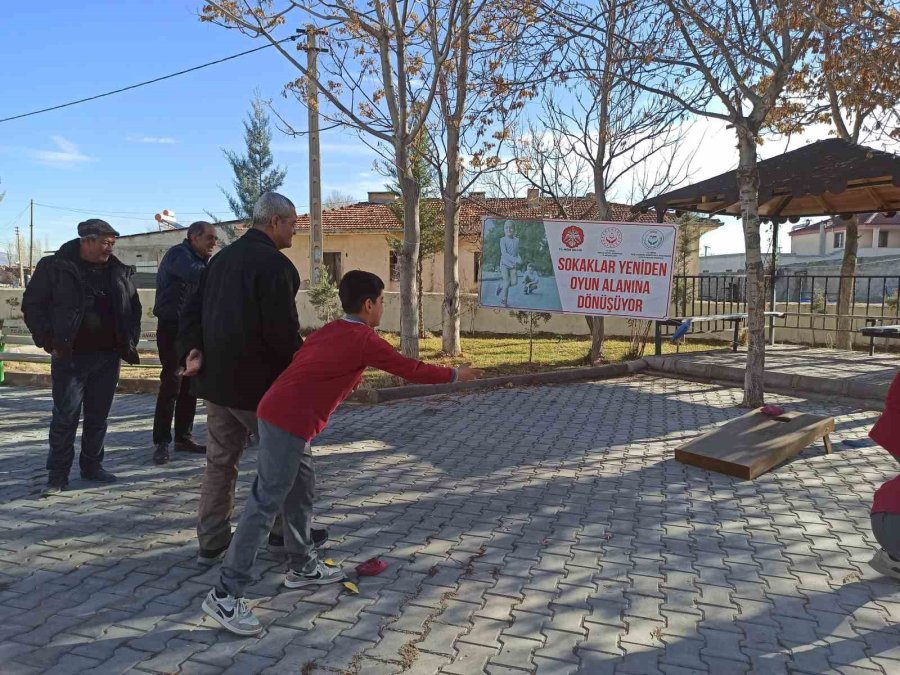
[740,54]
[855,87]
[336,199]
[380,76]
[470,125]
[602,115]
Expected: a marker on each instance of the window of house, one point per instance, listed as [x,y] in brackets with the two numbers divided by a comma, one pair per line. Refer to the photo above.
[394,266]
[476,261]
[332,262]
[838,240]
[883,239]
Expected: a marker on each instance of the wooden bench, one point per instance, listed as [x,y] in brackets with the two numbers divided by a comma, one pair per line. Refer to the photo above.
[873,332]
[752,444]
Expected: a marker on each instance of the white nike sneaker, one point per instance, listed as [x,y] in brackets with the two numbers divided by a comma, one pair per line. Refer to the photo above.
[320,575]
[883,563]
[232,613]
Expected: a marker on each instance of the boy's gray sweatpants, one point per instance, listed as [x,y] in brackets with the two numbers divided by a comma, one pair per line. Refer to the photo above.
[285,481]
[886,528]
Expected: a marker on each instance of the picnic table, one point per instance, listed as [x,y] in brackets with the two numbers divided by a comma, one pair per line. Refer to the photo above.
[684,324]
[873,332]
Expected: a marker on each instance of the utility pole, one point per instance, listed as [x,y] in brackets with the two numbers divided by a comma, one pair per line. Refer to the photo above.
[31,243]
[315,164]
[19,254]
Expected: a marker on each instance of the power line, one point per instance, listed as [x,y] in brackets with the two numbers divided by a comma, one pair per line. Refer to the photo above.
[21,213]
[143,84]
[122,214]
[118,215]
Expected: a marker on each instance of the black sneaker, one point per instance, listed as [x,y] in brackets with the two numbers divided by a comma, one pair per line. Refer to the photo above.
[208,556]
[98,475]
[319,537]
[187,445]
[55,485]
[161,454]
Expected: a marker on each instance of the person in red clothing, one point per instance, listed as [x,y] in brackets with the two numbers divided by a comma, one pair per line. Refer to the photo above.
[291,414]
[885,515]
[886,431]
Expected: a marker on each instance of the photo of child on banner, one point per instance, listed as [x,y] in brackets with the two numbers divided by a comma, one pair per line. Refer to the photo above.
[578,267]
[516,259]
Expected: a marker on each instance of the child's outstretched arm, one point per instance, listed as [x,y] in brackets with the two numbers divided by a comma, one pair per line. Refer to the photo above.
[378,353]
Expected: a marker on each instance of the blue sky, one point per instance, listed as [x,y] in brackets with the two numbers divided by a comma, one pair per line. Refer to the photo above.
[129,156]
[159,147]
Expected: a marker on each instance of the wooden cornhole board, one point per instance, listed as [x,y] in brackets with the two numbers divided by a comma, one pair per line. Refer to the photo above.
[752,444]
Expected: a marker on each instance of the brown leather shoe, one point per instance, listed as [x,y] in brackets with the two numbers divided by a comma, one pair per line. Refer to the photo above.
[188,445]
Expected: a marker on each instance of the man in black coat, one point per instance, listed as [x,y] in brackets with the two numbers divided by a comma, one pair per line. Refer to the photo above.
[81,306]
[177,278]
[237,333]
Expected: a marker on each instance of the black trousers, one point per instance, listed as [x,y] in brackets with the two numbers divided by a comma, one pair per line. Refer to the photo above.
[174,396]
[84,382]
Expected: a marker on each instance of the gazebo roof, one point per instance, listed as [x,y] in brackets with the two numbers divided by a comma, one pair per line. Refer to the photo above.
[826,178]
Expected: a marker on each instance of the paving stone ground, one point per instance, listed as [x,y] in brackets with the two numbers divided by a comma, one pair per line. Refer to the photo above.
[544,530]
[833,364]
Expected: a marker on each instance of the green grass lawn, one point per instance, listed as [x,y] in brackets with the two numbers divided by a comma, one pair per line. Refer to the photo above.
[496,354]
[508,354]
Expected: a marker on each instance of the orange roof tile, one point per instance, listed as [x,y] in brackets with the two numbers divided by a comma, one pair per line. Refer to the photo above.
[379,217]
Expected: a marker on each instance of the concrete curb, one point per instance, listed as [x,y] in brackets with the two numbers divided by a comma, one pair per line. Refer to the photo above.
[782,383]
[606,372]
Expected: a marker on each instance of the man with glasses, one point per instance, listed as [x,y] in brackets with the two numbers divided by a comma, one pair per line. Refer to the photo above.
[81,306]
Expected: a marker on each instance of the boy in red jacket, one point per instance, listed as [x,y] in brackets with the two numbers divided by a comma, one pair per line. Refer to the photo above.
[291,414]
[885,516]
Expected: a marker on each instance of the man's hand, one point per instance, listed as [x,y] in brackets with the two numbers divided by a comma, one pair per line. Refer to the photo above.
[193,363]
[467,373]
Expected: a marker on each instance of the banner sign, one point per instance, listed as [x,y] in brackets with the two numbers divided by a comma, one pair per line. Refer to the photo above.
[578,267]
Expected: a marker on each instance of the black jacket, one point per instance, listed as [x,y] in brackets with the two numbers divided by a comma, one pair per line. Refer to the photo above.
[176,279]
[243,318]
[54,301]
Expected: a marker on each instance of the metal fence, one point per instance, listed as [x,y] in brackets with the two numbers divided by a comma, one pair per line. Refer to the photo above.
[808,302]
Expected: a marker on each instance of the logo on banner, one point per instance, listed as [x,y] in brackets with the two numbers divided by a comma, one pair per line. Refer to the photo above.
[611,237]
[572,236]
[653,239]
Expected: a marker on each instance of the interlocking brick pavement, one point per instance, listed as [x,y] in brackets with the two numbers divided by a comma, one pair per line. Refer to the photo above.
[543,530]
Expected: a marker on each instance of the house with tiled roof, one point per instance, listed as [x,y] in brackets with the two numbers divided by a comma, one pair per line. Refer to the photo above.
[355,236]
[879,234]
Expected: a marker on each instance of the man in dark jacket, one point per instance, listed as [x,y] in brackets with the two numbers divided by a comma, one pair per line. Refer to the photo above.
[178,277]
[237,333]
[82,307]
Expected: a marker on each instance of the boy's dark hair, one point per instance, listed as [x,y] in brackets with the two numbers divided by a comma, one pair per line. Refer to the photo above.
[356,287]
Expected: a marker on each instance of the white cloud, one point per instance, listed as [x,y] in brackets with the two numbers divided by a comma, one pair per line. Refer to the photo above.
[67,154]
[158,140]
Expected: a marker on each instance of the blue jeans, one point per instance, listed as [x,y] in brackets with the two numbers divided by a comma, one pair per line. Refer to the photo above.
[285,482]
[85,381]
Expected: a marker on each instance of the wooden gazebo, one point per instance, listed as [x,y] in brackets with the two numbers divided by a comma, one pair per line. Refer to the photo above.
[827,178]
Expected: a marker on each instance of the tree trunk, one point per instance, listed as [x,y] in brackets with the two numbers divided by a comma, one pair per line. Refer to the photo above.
[845,295]
[597,324]
[450,342]
[409,257]
[748,188]
[419,284]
